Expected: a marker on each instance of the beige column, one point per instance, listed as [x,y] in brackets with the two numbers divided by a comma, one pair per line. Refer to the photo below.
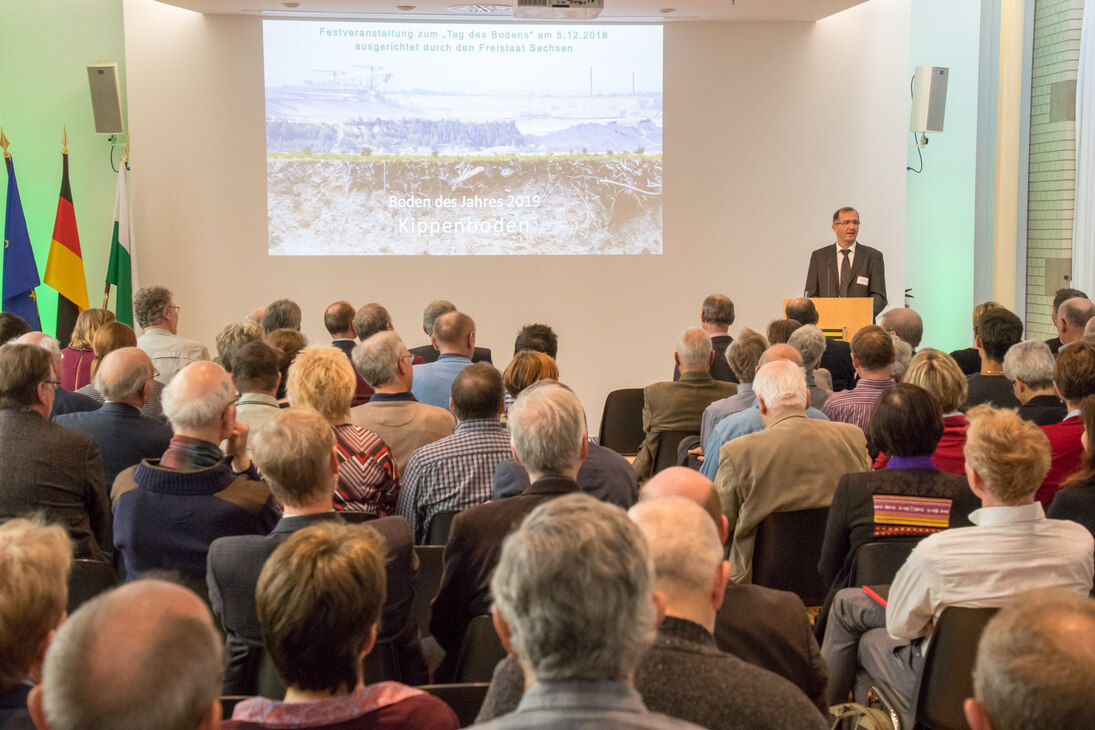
[1008,112]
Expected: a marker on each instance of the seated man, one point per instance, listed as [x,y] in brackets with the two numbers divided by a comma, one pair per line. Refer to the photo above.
[282,314]
[716,316]
[47,467]
[1074,379]
[168,510]
[837,359]
[145,655]
[294,452]
[34,564]
[429,353]
[339,321]
[997,330]
[156,311]
[125,379]
[1060,297]
[537,337]
[743,356]
[318,600]
[1029,367]
[905,324]
[810,343]
[872,356]
[256,375]
[1012,547]
[64,401]
[1072,318]
[793,464]
[1036,665]
[678,406]
[578,635]
[454,335]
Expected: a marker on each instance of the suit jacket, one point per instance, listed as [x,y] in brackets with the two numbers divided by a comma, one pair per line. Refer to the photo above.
[678,406]
[1043,410]
[837,359]
[124,436]
[234,565]
[604,475]
[404,425]
[823,276]
[58,471]
[793,464]
[472,552]
[428,354]
[720,369]
[65,401]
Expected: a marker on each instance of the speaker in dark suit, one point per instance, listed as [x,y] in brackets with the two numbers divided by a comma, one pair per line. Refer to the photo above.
[861,273]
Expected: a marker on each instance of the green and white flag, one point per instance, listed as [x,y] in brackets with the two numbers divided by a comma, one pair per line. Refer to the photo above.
[121,271]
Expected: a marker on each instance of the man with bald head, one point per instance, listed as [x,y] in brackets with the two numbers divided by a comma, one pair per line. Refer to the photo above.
[168,510]
[429,353]
[125,379]
[454,336]
[905,324]
[145,655]
[64,401]
[1072,317]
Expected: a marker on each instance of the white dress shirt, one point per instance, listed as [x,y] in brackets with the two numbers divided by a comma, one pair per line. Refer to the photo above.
[170,353]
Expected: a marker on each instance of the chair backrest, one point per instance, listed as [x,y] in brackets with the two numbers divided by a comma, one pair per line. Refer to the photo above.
[622,421]
[88,579]
[946,679]
[357,518]
[876,563]
[665,455]
[480,651]
[786,552]
[465,698]
[429,580]
[438,531]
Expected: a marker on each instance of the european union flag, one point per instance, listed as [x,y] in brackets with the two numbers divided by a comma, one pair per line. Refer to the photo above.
[20,270]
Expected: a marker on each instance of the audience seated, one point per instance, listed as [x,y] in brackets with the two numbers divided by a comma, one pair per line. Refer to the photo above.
[294,451]
[64,401]
[123,435]
[282,314]
[1011,547]
[810,343]
[579,635]
[1072,318]
[997,330]
[678,406]
[11,326]
[455,472]
[156,312]
[430,353]
[34,567]
[793,464]
[393,413]
[339,321]
[168,510]
[76,358]
[837,360]
[716,316]
[1059,298]
[1074,379]
[232,338]
[527,367]
[322,379]
[538,337]
[288,343]
[1076,499]
[454,335]
[904,324]
[1029,367]
[256,375]
[46,467]
[145,655]
[114,336]
[742,355]
[780,330]
[873,357]
[1036,665]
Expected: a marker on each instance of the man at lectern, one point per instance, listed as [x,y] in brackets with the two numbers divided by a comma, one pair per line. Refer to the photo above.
[848,269]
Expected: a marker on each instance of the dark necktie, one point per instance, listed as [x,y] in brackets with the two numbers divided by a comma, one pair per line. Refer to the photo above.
[845,272]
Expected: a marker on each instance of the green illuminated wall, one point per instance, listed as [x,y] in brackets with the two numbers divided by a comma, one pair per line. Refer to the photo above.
[45,47]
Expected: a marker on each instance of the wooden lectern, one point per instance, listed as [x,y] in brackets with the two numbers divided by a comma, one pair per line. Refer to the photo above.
[841,317]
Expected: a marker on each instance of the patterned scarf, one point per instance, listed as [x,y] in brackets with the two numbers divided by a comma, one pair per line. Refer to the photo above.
[190,454]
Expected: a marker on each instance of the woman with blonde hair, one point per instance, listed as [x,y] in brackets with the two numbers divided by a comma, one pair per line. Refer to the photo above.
[114,336]
[76,358]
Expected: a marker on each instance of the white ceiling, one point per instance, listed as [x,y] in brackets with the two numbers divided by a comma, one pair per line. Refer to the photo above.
[615,10]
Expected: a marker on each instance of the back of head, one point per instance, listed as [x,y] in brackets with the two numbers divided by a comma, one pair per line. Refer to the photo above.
[293,451]
[938,373]
[780,330]
[282,314]
[145,655]
[1011,455]
[1074,371]
[902,355]
[999,329]
[538,337]
[782,384]
[231,340]
[42,340]
[548,428]
[112,336]
[1036,663]
[196,397]
[370,319]
[123,373]
[149,305]
[1032,362]
[34,566]
[680,481]
[87,324]
[12,326]
[339,318]
[905,323]
[451,330]
[323,379]
[318,599]
[801,310]
[434,310]
[718,309]
[477,392]
[980,310]
[1076,311]
[694,350]
[810,343]
[22,368]
[526,368]
[1063,295]
[906,421]
[377,358]
[574,586]
[683,543]
[873,347]
[255,368]
[744,353]
[287,343]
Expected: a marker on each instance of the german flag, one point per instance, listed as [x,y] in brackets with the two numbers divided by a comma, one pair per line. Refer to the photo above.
[65,266]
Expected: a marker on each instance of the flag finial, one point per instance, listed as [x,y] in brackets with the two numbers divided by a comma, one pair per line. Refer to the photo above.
[4,144]
[64,140]
[125,158]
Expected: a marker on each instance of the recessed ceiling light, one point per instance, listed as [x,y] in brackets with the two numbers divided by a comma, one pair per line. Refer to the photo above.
[405,8]
[482,9]
[667,10]
[291,5]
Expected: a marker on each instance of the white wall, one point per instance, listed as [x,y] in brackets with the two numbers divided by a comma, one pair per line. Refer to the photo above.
[768,129]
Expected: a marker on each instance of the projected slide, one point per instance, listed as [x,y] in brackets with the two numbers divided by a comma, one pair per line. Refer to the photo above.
[407,139]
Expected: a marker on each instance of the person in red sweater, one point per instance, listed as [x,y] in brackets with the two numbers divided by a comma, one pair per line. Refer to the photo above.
[1073,378]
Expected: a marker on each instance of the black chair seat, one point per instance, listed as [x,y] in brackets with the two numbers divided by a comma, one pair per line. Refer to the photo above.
[480,651]
[438,531]
[88,579]
[622,421]
[665,455]
[786,552]
[946,679]
[876,563]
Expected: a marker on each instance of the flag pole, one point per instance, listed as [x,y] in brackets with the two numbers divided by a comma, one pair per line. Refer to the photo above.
[106,288]
[4,144]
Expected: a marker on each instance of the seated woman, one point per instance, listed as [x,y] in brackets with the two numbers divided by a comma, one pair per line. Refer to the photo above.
[1076,499]
[76,358]
[108,338]
[321,378]
[527,367]
[318,601]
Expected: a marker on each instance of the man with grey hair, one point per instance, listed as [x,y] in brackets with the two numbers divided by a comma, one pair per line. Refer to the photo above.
[281,314]
[837,360]
[125,379]
[1059,297]
[578,634]
[1072,316]
[158,314]
[64,401]
[168,510]
[145,655]
[47,467]
[810,343]
[742,355]
[1036,665]
[429,353]
[716,316]
[393,413]
[678,406]
[548,435]
[793,464]
[905,324]
[370,319]
[1029,367]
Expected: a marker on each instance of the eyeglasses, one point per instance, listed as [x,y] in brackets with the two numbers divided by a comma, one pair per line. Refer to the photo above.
[155,374]
[55,383]
[848,223]
[176,307]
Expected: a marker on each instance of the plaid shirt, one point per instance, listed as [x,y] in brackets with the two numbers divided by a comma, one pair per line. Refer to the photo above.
[453,473]
[855,406]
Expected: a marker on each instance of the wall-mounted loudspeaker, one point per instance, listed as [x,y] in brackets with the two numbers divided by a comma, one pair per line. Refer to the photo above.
[929,99]
[106,99]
